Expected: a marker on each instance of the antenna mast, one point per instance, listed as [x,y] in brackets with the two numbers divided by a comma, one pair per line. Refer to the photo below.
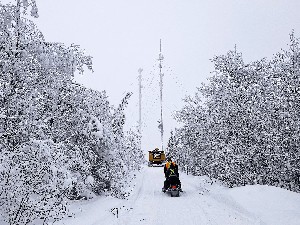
[140,101]
[161,124]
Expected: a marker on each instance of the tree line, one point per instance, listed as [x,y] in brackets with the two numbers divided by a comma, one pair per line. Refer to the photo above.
[243,126]
[59,141]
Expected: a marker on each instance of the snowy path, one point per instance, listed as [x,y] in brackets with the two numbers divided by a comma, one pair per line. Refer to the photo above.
[148,205]
[201,203]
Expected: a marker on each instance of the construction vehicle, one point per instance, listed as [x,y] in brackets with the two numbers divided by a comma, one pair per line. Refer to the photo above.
[156,157]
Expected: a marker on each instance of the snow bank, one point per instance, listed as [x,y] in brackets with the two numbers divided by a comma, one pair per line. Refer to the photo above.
[273,205]
[202,202]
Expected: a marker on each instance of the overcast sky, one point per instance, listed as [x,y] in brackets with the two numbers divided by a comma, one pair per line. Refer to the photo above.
[123,35]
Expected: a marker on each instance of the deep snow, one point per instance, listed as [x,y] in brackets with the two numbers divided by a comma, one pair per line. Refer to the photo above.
[200,203]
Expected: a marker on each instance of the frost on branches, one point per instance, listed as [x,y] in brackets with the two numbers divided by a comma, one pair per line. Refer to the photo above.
[246,131]
[59,141]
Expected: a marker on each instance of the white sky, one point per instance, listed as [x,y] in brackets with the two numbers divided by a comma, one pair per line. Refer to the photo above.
[123,36]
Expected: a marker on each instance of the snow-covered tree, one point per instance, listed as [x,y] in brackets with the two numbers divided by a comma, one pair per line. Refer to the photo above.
[59,141]
[32,178]
[246,130]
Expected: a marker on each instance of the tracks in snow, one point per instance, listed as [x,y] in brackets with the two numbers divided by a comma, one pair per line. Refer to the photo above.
[200,203]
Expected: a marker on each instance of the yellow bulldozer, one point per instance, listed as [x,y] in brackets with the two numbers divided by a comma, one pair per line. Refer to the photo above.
[156,157]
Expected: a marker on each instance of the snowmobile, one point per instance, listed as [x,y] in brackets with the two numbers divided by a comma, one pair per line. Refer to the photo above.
[174,188]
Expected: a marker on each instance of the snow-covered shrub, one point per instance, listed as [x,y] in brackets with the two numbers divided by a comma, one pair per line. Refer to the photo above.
[122,152]
[132,154]
[33,182]
[95,127]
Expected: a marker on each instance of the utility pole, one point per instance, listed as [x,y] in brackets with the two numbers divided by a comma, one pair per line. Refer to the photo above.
[140,101]
[161,125]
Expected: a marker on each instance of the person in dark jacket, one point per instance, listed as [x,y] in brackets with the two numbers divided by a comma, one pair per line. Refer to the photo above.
[171,174]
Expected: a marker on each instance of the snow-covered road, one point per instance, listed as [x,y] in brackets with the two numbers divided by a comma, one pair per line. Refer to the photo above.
[201,203]
[148,205]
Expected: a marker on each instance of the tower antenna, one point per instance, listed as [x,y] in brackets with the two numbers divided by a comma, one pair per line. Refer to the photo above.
[140,101]
[161,124]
